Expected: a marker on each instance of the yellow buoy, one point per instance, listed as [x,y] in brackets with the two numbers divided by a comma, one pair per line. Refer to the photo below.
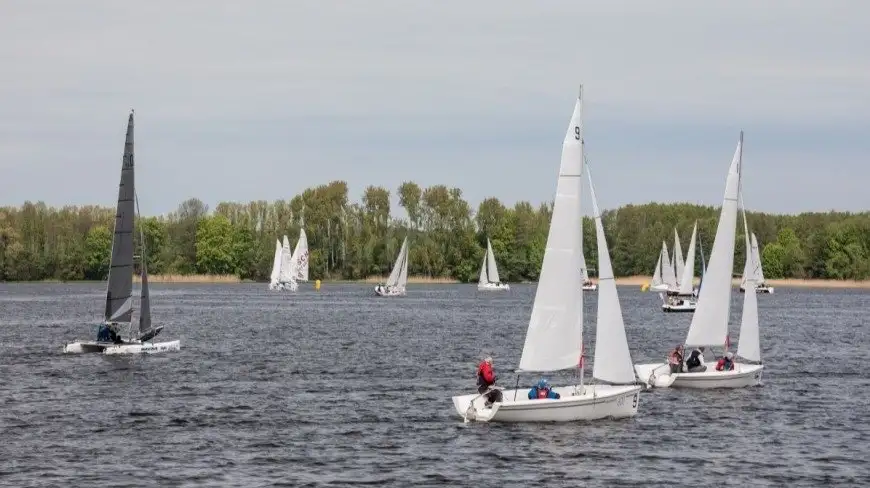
[317,285]
[644,287]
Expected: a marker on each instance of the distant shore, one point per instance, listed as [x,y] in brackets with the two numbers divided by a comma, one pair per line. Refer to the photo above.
[638,281]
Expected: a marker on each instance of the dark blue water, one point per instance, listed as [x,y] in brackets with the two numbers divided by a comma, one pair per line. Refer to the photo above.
[338,388]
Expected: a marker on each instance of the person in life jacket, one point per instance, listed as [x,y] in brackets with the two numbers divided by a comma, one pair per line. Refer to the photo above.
[542,391]
[486,379]
[675,359]
[106,333]
[695,363]
[726,363]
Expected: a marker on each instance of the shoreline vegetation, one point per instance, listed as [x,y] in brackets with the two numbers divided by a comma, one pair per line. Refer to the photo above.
[447,236]
[637,281]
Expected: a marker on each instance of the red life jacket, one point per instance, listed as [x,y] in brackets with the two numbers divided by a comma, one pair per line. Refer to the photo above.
[543,392]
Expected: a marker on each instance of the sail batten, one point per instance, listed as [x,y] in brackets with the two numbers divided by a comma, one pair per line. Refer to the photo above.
[119,290]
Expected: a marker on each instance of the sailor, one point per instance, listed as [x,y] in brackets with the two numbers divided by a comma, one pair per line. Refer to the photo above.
[485,380]
[726,363]
[542,390]
[695,363]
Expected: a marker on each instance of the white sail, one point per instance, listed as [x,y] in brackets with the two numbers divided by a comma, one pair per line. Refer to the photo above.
[612,357]
[491,267]
[687,279]
[286,273]
[710,321]
[749,345]
[482,277]
[276,264]
[300,258]
[584,270]
[756,255]
[555,334]
[657,274]
[668,275]
[400,267]
[678,257]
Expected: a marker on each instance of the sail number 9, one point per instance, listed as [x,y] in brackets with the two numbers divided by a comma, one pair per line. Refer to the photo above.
[577,132]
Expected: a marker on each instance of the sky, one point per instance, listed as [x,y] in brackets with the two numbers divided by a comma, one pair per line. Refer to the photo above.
[258,100]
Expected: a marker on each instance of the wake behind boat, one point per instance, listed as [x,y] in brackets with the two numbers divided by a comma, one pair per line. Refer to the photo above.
[710,323]
[119,294]
[554,338]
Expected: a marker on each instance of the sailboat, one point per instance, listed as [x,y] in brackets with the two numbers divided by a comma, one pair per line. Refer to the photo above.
[664,277]
[489,272]
[276,267]
[752,271]
[299,263]
[684,299]
[398,276]
[588,285]
[679,265]
[710,323]
[119,293]
[554,339]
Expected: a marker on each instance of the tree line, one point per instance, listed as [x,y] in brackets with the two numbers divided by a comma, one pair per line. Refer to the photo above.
[355,240]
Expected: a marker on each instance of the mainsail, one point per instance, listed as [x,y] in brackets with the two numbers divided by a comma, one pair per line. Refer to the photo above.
[276,264]
[286,273]
[300,257]
[119,293]
[399,274]
[678,258]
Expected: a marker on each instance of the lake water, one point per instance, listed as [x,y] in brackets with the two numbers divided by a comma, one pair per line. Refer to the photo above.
[339,388]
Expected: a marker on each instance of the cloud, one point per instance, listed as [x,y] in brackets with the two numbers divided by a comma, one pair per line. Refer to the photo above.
[241,101]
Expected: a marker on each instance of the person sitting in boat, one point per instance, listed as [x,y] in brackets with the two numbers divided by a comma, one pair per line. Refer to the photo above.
[380,288]
[106,333]
[726,363]
[675,359]
[542,391]
[485,380]
[695,363]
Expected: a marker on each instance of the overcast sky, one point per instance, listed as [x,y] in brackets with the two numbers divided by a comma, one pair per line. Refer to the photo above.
[244,100]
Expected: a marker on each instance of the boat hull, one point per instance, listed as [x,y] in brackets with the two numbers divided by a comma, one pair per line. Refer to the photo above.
[658,376]
[389,292]
[659,288]
[292,286]
[686,306]
[761,289]
[493,287]
[85,347]
[591,287]
[590,402]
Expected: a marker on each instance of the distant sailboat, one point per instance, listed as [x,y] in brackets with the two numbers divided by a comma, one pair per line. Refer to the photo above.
[398,276]
[588,285]
[290,267]
[119,293]
[489,279]
[684,299]
[276,267]
[752,270]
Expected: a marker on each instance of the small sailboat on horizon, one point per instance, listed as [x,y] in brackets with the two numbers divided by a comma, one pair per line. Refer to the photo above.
[119,289]
[685,299]
[398,278]
[290,267]
[489,279]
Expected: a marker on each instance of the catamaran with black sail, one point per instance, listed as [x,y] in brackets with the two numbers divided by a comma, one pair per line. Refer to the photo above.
[119,293]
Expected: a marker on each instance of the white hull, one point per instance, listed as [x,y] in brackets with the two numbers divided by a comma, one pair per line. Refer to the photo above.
[389,292]
[590,287]
[493,286]
[589,402]
[292,286]
[686,306]
[658,375]
[659,288]
[81,347]
[761,289]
